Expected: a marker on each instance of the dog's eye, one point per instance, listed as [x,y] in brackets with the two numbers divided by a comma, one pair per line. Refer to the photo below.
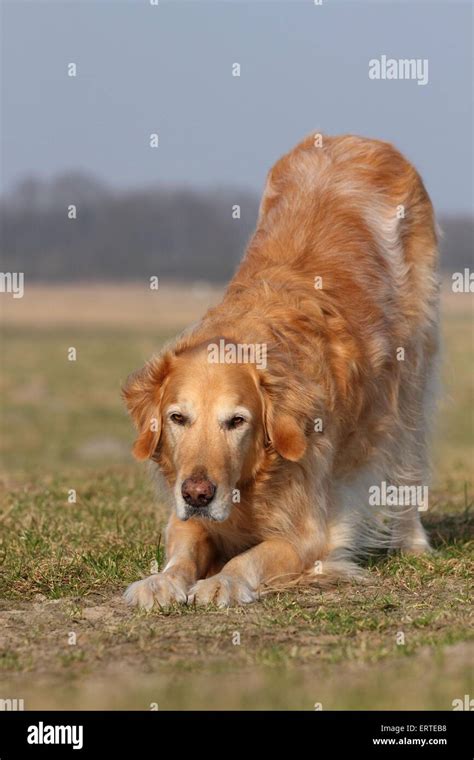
[177,418]
[236,421]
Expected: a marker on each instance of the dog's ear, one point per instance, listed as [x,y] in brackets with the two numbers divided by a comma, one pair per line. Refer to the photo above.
[143,395]
[287,437]
[283,423]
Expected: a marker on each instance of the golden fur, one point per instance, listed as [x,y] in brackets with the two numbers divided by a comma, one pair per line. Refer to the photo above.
[339,284]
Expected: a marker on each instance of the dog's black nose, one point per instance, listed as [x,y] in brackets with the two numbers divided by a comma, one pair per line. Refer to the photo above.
[198,491]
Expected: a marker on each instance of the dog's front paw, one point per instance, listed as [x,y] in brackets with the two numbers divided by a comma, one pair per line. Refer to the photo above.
[161,588]
[222,590]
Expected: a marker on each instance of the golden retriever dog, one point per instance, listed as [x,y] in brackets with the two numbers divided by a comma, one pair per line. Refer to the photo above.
[290,425]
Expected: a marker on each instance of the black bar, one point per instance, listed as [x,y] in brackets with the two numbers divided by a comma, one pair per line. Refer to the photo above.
[436,734]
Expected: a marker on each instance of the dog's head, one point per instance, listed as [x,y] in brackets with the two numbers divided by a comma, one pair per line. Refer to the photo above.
[209,427]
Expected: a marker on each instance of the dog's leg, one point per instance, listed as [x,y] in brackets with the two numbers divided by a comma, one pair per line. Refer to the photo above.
[410,474]
[408,534]
[241,578]
[190,553]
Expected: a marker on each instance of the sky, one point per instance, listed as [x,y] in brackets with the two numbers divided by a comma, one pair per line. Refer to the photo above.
[167,69]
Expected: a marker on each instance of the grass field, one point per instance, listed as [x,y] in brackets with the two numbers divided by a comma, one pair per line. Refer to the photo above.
[404,640]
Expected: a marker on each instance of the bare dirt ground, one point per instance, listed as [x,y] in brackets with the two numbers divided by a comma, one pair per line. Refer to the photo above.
[122,661]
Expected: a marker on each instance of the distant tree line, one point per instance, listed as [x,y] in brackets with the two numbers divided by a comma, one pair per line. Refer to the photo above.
[175,233]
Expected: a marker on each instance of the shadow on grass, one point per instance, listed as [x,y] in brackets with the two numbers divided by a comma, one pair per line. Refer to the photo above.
[450,529]
[446,531]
